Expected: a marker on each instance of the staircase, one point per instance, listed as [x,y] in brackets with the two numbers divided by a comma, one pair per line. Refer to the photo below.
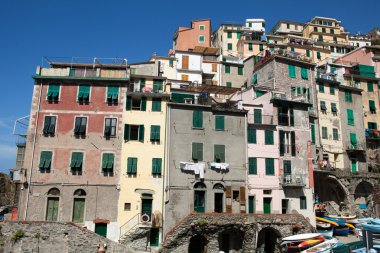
[131,227]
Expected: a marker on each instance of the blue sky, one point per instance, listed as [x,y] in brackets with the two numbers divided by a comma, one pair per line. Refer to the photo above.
[134,30]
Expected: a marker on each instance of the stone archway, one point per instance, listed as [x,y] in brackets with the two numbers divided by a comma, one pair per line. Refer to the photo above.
[362,191]
[231,240]
[198,244]
[329,188]
[268,240]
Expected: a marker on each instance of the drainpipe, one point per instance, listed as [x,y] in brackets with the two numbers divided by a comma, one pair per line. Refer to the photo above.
[33,149]
[167,174]
[246,155]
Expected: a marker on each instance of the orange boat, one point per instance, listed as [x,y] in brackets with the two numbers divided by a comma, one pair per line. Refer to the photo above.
[311,242]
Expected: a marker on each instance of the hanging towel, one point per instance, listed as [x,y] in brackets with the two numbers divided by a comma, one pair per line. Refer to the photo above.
[221,166]
[186,166]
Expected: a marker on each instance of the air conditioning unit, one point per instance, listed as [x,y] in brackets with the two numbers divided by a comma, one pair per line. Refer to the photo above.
[188,101]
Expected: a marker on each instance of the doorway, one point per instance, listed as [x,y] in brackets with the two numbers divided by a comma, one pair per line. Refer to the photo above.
[218,204]
[146,208]
[101,229]
[267,205]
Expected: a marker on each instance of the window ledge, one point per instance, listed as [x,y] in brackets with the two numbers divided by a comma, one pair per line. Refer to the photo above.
[198,128]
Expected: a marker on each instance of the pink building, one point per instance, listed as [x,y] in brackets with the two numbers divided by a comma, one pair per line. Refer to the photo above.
[187,38]
[368,55]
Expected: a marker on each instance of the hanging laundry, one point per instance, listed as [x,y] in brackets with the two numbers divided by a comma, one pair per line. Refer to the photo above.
[198,168]
[221,166]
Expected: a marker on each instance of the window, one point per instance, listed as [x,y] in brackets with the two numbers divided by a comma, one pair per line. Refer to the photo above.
[332,90]
[303,203]
[131,165]
[335,134]
[323,30]
[197,151]
[171,62]
[312,126]
[261,47]
[348,96]
[353,140]
[235,195]
[78,206]
[287,143]
[135,103]
[49,125]
[80,126]
[332,31]
[350,117]
[283,118]
[298,90]
[240,71]
[369,86]
[127,206]
[238,34]
[201,27]
[156,166]
[45,161]
[84,93]
[214,67]
[251,135]
[333,108]
[372,106]
[320,38]
[185,77]
[155,133]
[112,94]
[107,164]
[219,153]
[229,35]
[319,55]
[197,119]
[323,106]
[269,166]
[252,165]
[227,69]
[324,133]
[228,84]
[321,88]
[287,26]
[52,207]
[304,74]
[292,71]
[219,123]
[157,85]
[257,116]
[255,79]
[229,46]
[76,163]
[110,127]
[201,38]
[269,139]
[250,47]
[134,132]
[292,49]
[53,92]
[156,105]
[185,62]
[315,29]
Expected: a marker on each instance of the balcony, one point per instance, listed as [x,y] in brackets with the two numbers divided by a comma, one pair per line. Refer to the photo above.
[292,180]
[330,77]
[352,84]
[260,120]
[355,147]
[372,134]
[284,53]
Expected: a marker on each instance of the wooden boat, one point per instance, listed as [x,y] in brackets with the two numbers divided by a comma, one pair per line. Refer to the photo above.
[341,230]
[328,234]
[323,225]
[323,247]
[327,221]
[301,237]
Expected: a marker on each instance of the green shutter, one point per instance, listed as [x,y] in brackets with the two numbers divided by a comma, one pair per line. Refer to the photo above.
[293,142]
[312,126]
[350,117]
[348,96]
[104,161]
[307,53]
[324,133]
[318,55]
[238,34]
[298,90]
[228,84]
[240,71]
[372,106]
[321,88]
[257,116]
[141,133]
[287,167]
[227,69]
[252,165]
[308,94]
[269,166]
[229,35]
[128,104]
[53,92]
[76,160]
[282,142]
[229,46]
[251,204]
[251,135]
[48,157]
[335,134]
[132,165]
[156,165]
[78,210]
[155,133]
[143,104]
[110,161]
[42,160]
[255,79]
[126,132]
[353,140]
[219,153]
[180,98]
[83,93]
[156,105]
[197,119]
[332,90]
[269,137]
[292,71]
[157,85]
[112,93]
[219,122]
[370,86]
[354,165]
[197,151]
[304,74]
[261,47]
[250,48]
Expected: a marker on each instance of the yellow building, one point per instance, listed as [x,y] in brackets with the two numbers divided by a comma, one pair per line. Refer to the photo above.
[143,158]
[330,129]
[226,38]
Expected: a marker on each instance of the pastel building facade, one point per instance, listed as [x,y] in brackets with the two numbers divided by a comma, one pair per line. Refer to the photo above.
[198,34]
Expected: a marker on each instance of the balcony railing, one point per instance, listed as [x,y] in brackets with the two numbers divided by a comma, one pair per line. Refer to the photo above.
[260,119]
[292,180]
[372,134]
[358,146]
[352,84]
[327,76]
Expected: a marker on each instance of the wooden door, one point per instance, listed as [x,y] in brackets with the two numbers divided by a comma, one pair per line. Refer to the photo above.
[267,205]
[52,209]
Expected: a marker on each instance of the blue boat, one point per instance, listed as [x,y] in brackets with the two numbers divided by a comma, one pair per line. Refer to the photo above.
[341,222]
[371,227]
[341,230]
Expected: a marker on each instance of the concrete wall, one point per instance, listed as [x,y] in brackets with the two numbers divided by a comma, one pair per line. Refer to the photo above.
[236,80]
[180,193]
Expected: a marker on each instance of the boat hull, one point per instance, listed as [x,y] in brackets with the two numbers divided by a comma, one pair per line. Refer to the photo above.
[326,233]
[342,231]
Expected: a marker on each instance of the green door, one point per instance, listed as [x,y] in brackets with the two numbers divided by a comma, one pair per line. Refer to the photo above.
[146,207]
[199,202]
[251,204]
[78,210]
[267,202]
[354,165]
[101,229]
[52,209]
[154,237]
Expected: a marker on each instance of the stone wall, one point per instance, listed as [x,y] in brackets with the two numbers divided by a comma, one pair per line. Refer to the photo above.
[8,191]
[243,229]
[52,237]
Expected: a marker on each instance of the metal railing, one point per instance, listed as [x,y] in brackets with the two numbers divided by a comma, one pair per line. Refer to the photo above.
[133,223]
[326,76]
[358,146]
[292,180]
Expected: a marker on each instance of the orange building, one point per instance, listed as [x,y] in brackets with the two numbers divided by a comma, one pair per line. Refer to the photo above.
[187,38]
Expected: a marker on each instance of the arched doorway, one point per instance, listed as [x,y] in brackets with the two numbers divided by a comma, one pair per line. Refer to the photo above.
[79,206]
[199,197]
[231,239]
[52,207]
[198,244]
[218,198]
[362,191]
[268,240]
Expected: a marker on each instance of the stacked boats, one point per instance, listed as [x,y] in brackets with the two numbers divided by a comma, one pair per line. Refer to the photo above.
[336,225]
[307,243]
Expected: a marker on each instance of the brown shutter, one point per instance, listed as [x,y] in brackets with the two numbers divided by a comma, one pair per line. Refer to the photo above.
[228,199]
[185,62]
[214,82]
[185,77]
[242,199]
[214,67]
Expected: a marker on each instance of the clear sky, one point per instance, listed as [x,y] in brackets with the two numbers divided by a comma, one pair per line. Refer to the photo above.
[134,30]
